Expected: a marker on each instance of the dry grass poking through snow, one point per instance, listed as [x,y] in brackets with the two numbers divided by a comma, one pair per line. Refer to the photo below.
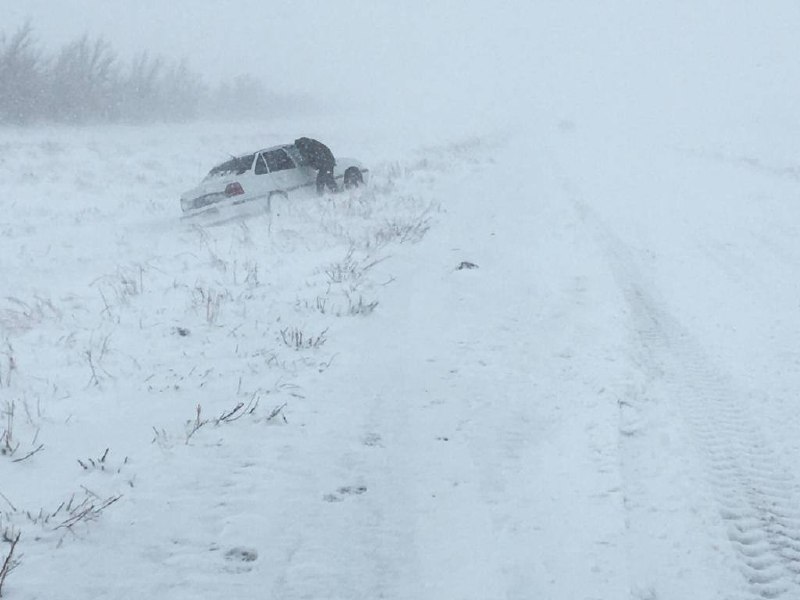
[118,320]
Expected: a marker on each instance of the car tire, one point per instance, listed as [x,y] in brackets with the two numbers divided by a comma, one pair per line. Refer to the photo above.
[353,178]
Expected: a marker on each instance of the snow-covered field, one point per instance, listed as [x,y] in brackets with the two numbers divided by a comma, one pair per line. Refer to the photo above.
[318,403]
[327,401]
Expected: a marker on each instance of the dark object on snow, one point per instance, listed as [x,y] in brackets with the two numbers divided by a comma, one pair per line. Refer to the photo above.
[319,156]
[466,265]
[242,554]
[182,331]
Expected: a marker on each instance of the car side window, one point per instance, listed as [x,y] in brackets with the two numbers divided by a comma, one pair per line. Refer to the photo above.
[278,160]
[295,155]
[261,165]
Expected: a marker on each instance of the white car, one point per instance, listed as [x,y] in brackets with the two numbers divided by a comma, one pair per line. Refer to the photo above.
[262,175]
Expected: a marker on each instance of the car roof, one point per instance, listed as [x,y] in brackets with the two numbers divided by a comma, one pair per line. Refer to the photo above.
[233,158]
[280,147]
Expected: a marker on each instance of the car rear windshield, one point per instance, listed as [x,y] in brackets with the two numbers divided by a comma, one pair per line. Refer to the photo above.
[237,165]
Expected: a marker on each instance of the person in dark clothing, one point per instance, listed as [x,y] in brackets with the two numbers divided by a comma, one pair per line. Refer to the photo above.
[318,155]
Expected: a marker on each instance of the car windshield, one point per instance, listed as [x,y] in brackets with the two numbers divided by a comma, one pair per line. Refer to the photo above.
[236,166]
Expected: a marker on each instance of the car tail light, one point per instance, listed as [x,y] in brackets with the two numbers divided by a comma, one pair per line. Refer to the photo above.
[234,189]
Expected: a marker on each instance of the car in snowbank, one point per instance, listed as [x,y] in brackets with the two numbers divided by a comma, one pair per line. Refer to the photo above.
[261,175]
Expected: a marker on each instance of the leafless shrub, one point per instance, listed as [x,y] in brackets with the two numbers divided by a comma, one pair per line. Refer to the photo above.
[94,357]
[319,304]
[22,316]
[9,534]
[209,301]
[117,289]
[194,425]
[277,412]
[237,412]
[402,230]
[52,520]
[68,512]
[31,418]
[345,269]
[251,274]
[42,517]
[36,450]
[245,237]
[324,365]
[89,509]
[11,364]
[228,416]
[9,562]
[11,506]
[296,339]
[395,170]
[360,204]
[161,437]
[213,256]
[360,307]
[9,444]
[387,177]
[101,464]
[350,269]
[76,509]
[325,305]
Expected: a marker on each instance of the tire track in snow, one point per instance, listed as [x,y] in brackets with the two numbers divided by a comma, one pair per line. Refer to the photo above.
[757,497]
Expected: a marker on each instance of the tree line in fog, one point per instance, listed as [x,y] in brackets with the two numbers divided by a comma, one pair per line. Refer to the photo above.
[85,81]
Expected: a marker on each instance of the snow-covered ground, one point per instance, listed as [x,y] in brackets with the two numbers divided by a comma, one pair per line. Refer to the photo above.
[549,352]
[604,408]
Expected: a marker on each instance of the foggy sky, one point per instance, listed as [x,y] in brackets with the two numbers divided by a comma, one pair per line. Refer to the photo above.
[345,50]
[468,60]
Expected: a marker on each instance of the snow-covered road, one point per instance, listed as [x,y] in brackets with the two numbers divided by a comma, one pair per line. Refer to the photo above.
[604,408]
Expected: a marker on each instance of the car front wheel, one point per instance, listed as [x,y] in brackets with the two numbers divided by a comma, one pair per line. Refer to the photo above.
[353,178]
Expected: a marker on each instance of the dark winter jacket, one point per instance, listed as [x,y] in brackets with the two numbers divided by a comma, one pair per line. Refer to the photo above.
[316,154]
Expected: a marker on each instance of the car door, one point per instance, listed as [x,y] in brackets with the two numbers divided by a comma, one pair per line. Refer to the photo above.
[302,175]
[282,170]
[263,180]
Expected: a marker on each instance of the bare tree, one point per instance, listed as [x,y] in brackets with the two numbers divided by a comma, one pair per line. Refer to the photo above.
[244,96]
[182,90]
[140,93]
[21,78]
[83,82]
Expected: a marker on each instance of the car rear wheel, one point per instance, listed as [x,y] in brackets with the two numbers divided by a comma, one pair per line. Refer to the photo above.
[353,178]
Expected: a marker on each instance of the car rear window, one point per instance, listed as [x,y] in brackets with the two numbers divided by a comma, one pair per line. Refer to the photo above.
[235,166]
